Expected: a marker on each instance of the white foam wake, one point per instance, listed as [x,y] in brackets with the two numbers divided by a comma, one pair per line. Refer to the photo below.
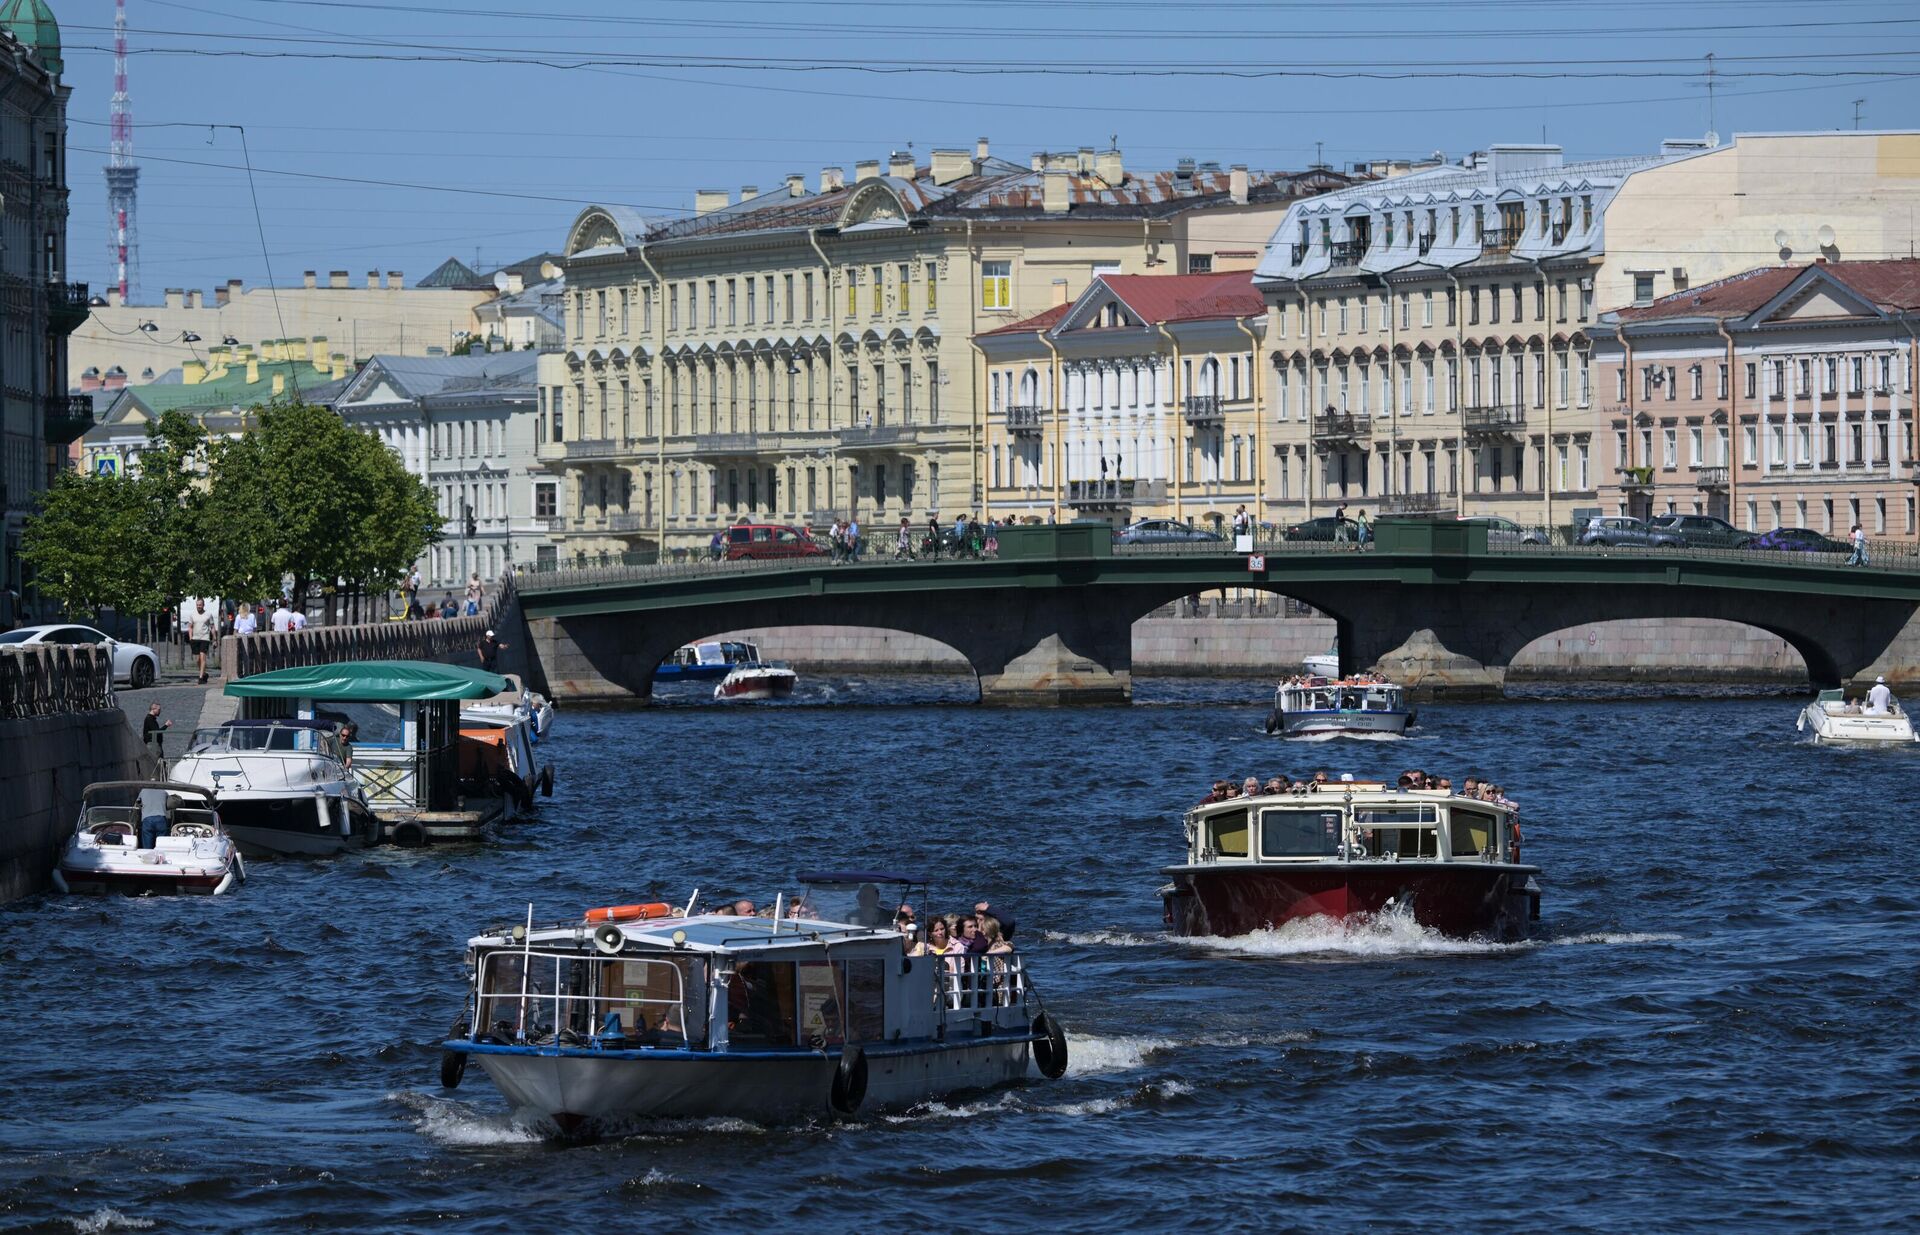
[1092,939]
[108,1220]
[1614,937]
[1090,1056]
[461,1127]
[1351,737]
[1388,934]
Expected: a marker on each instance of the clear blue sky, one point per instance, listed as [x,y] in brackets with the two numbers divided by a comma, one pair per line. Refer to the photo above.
[338,88]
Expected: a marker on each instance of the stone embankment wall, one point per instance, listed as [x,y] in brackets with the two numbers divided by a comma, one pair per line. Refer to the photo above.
[446,640]
[60,731]
[1206,646]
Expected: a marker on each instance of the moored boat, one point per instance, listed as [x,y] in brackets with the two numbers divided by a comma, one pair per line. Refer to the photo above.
[498,757]
[637,1011]
[1834,721]
[149,838]
[282,785]
[518,700]
[755,682]
[1362,704]
[1350,850]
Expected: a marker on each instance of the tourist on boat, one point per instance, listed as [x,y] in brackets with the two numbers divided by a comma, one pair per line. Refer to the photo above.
[727,911]
[348,732]
[982,910]
[1250,787]
[939,938]
[743,908]
[1880,698]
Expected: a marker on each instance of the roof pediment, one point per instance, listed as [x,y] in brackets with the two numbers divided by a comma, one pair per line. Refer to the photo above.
[1815,296]
[873,202]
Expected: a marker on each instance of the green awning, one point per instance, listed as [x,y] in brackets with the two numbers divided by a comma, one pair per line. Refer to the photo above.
[373,681]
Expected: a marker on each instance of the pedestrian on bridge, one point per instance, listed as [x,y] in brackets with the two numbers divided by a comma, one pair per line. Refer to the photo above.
[1365,529]
[853,538]
[1859,555]
[903,548]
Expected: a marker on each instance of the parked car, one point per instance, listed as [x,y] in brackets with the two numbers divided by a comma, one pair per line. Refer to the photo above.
[1159,532]
[1799,540]
[1322,527]
[1702,531]
[133,663]
[1503,531]
[756,541]
[1616,530]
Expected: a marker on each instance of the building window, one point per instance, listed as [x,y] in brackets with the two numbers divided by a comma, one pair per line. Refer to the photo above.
[713,304]
[1199,263]
[879,289]
[1695,445]
[853,291]
[996,285]
[1453,307]
[933,286]
[626,310]
[1643,289]
[1343,314]
[788,281]
[1426,307]
[546,501]
[1559,300]
[806,307]
[1694,377]
[646,309]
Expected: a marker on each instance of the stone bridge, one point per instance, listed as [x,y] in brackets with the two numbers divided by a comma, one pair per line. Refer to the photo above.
[1049,620]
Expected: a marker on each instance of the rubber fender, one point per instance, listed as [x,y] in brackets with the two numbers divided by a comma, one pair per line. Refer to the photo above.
[407,834]
[453,1064]
[849,1082]
[546,781]
[1050,1051]
[1273,722]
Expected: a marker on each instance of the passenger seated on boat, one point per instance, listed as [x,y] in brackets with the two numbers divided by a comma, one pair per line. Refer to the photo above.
[866,910]
[1250,787]
[1277,785]
[743,908]
[727,911]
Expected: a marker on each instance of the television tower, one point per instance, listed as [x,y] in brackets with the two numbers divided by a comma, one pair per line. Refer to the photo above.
[123,175]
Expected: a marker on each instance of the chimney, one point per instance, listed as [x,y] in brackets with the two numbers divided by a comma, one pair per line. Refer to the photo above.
[90,380]
[396,280]
[116,379]
[279,383]
[1059,292]
[948,166]
[253,370]
[1237,184]
[1059,192]
[336,278]
[1039,161]
[515,283]
[1109,167]
[373,280]
[980,150]
[176,299]
[1085,162]
[901,165]
[749,191]
[317,349]
[866,169]
[796,185]
[706,201]
[311,279]
[340,368]
[113,297]
[832,178]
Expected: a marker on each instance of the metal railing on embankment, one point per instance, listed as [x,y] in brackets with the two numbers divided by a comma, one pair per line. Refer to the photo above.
[54,680]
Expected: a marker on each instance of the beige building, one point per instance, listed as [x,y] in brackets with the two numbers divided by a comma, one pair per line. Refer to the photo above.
[381,315]
[1781,397]
[1430,336]
[808,352]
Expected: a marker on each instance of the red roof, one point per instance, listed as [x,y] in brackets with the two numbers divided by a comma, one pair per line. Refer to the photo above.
[1033,325]
[1187,297]
[1892,284]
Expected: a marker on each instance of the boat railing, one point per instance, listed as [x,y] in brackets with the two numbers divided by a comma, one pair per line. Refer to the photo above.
[980,981]
[545,1012]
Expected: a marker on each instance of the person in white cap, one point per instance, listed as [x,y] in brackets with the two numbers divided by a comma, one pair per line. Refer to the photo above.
[489,649]
[1879,699]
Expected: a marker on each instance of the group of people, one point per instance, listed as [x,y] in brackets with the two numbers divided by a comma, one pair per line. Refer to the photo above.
[449,607]
[1478,788]
[843,539]
[1356,531]
[1879,701]
[973,946]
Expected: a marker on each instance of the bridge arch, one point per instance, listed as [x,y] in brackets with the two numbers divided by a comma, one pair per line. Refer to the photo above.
[1625,649]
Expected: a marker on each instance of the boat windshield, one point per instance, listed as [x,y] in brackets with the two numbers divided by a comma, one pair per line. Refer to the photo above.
[228,739]
[1300,832]
[1410,831]
[859,898]
[541,996]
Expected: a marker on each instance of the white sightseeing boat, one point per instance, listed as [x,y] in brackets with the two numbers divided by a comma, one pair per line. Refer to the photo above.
[756,681]
[517,701]
[149,838]
[283,786]
[1832,720]
[1315,705]
[637,1011]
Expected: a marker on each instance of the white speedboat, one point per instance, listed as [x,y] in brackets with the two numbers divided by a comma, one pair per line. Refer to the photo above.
[1833,720]
[638,1011]
[1315,706]
[757,681]
[149,838]
[1325,665]
[518,700]
[283,786]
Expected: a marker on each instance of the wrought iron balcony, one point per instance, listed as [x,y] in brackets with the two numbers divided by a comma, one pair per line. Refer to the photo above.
[67,417]
[1426,243]
[1341,426]
[1494,421]
[1026,419]
[1348,252]
[1710,477]
[625,522]
[592,448]
[1205,409]
[1100,494]
[1636,479]
[1300,252]
[66,306]
[1499,239]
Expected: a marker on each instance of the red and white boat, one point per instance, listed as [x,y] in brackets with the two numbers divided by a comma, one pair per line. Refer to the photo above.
[149,838]
[756,681]
[1351,850]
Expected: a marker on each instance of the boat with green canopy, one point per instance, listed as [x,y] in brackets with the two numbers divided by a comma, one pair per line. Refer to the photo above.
[402,718]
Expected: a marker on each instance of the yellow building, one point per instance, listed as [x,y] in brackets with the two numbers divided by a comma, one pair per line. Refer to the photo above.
[807,353]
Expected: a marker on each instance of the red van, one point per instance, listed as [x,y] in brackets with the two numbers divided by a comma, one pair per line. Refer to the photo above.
[768,540]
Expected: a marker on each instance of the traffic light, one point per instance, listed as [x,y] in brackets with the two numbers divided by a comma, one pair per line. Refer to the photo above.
[472,528]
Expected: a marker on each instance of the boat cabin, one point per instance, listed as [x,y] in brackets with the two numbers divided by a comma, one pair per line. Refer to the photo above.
[714,654]
[285,736]
[1322,694]
[1350,821]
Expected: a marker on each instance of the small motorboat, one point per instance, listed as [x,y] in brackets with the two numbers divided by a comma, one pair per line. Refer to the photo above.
[498,759]
[1353,849]
[706,661]
[756,681]
[639,1011]
[1317,706]
[1324,665]
[283,786]
[519,701]
[1834,721]
[149,838]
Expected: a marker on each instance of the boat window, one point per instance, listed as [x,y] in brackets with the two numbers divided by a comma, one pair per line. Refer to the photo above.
[375,724]
[867,1000]
[1297,833]
[1227,834]
[821,1016]
[760,1003]
[1401,842]
[1411,812]
[645,996]
[1471,833]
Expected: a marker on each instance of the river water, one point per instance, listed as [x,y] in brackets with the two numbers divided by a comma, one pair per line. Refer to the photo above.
[1716,1030]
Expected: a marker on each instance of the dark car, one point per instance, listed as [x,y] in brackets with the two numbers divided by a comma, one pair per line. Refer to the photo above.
[1324,527]
[769,540]
[1615,530]
[1702,531]
[1798,540]
[1159,532]
[1504,531]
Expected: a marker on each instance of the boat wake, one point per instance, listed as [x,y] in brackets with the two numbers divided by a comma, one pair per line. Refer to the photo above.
[1089,1056]
[1363,937]
[103,1220]
[1349,737]
[461,1127]
[1094,939]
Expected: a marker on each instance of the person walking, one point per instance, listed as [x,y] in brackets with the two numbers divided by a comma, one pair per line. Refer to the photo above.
[153,736]
[1365,529]
[1859,538]
[1340,533]
[244,623]
[200,635]
[853,539]
[474,592]
[903,547]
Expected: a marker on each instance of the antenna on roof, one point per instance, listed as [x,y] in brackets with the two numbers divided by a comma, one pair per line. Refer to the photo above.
[1857,104]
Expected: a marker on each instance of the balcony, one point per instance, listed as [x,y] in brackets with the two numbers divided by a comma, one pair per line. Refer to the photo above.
[1426,243]
[1499,239]
[592,448]
[1026,420]
[67,417]
[1710,477]
[1341,427]
[66,307]
[1300,252]
[1100,494]
[1494,421]
[872,437]
[1636,479]
[1204,410]
[1348,252]
[725,443]
[556,525]
[625,522]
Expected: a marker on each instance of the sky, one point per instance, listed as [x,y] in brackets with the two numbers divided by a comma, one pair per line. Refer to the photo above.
[393,134]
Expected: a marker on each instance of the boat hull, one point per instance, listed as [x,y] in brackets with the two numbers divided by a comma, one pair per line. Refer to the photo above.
[591,1093]
[265,826]
[1303,724]
[82,882]
[1856,729]
[1464,899]
[756,687]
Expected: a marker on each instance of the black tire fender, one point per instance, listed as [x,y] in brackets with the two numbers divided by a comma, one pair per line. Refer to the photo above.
[546,781]
[407,834]
[453,1064]
[1273,722]
[849,1089]
[1049,1047]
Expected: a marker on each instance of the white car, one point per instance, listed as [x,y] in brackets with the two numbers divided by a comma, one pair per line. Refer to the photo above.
[133,663]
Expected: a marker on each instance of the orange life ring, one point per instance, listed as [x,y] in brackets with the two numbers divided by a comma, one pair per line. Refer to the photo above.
[628,913]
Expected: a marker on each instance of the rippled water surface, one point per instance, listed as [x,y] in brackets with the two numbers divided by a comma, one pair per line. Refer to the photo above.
[1715,1032]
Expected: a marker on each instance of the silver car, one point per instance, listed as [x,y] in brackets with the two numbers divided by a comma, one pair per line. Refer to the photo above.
[133,663]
